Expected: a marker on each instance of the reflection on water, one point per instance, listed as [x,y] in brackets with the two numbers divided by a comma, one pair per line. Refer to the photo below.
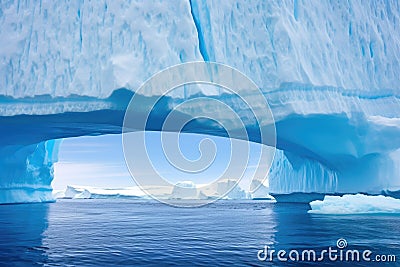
[21,232]
[146,233]
[298,230]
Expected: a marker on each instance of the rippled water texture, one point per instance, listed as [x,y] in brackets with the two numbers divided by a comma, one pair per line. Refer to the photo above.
[146,233]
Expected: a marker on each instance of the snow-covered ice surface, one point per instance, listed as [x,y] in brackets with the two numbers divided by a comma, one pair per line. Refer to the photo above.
[355,204]
[329,70]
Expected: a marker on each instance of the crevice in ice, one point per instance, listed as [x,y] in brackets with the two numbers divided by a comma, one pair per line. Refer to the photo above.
[196,19]
[296,9]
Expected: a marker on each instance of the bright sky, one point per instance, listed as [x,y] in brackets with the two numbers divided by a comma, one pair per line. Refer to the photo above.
[99,161]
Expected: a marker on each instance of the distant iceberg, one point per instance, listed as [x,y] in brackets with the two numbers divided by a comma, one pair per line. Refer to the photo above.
[355,204]
[184,190]
[225,188]
[260,191]
[80,192]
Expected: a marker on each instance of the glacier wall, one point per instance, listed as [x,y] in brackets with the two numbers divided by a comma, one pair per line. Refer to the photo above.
[27,172]
[85,48]
[329,70]
[351,45]
[291,173]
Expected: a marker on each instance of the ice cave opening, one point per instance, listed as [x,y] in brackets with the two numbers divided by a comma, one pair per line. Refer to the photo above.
[94,167]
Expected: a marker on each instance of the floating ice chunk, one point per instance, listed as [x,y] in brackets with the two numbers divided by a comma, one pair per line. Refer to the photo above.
[355,204]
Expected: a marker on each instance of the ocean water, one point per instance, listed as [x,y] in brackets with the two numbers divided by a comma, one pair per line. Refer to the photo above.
[147,233]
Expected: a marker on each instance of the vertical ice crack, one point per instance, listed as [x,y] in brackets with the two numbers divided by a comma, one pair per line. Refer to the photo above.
[196,19]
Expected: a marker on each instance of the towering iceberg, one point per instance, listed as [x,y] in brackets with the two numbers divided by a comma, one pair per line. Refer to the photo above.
[328,70]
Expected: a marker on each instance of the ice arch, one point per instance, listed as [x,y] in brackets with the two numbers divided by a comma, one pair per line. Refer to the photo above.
[322,152]
[329,71]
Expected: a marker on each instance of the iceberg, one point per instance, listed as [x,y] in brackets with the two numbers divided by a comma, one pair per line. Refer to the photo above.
[328,70]
[259,191]
[184,190]
[88,192]
[134,192]
[356,204]
[224,188]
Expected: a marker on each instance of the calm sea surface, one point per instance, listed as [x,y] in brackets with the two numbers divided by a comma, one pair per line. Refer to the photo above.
[146,233]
